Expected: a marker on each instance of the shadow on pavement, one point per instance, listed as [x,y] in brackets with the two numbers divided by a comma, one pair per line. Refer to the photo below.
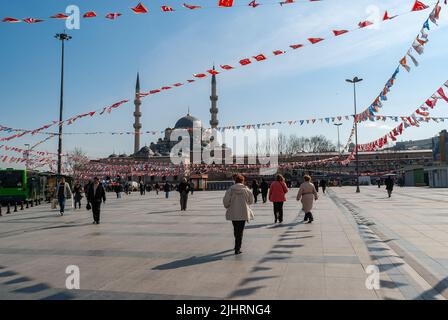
[194,261]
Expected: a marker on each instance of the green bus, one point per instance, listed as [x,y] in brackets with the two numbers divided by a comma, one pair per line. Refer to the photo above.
[17,186]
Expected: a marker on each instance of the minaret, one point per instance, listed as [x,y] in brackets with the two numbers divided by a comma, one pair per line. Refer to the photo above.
[214,99]
[137,115]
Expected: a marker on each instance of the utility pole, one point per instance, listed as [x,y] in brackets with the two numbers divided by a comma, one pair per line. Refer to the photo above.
[62,37]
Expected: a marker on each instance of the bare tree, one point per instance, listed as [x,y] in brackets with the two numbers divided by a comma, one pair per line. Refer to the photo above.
[77,162]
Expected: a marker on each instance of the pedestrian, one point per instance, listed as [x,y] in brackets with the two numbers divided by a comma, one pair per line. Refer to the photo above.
[379,183]
[191,187]
[264,186]
[237,201]
[142,187]
[157,188]
[64,192]
[389,185]
[184,189]
[255,190]
[78,190]
[167,189]
[95,196]
[277,195]
[307,193]
[316,185]
[323,184]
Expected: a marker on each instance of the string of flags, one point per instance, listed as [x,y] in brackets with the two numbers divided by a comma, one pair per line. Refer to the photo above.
[417,48]
[406,122]
[142,9]
[418,6]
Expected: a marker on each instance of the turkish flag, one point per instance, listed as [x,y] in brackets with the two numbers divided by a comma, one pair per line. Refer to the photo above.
[245,62]
[140,9]
[32,20]
[226,67]
[296,46]
[253,4]
[60,16]
[278,52]
[213,72]
[225,3]
[339,32]
[419,6]
[11,20]
[260,57]
[113,16]
[364,24]
[178,84]
[199,75]
[167,9]
[315,40]
[191,7]
[154,91]
[89,14]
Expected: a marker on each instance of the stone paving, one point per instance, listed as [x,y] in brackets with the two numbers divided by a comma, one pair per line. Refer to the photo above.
[146,248]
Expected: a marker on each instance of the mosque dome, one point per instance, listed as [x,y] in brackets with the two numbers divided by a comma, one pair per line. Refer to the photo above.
[188,122]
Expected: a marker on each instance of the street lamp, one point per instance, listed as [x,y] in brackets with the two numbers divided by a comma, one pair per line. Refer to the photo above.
[62,37]
[355,81]
[27,153]
[339,150]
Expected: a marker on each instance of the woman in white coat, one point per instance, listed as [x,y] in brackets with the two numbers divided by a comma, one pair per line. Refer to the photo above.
[237,201]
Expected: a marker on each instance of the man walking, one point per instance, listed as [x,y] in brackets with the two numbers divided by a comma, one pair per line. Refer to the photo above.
[184,189]
[264,186]
[389,185]
[95,196]
[64,192]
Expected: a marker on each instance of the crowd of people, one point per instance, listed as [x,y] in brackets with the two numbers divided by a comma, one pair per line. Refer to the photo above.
[237,200]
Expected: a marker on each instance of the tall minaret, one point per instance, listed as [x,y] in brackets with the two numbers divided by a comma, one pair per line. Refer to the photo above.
[137,115]
[214,99]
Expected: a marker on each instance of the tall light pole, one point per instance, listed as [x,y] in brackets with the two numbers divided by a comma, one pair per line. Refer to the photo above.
[355,81]
[339,151]
[62,37]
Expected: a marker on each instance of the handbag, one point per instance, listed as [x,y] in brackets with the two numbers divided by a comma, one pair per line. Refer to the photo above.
[88,207]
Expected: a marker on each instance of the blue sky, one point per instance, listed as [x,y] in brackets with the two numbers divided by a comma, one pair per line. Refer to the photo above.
[104,57]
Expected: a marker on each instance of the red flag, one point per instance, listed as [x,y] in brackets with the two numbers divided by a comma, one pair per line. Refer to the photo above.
[90,14]
[315,40]
[386,16]
[60,16]
[442,94]
[167,8]
[364,24]
[419,6]
[226,67]
[245,62]
[178,84]
[296,46]
[113,16]
[253,4]
[278,52]
[199,75]
[213,72]
[165,88]
[140,9]
[339,32]
[225,3]
[191,7]
[286,2]
[32,20]
[190,81]
[154,91]
[11,20]
[260,57]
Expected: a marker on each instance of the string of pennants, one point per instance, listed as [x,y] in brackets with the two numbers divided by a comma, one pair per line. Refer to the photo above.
[417,48]
[418,6]
[142,9]
[406,122]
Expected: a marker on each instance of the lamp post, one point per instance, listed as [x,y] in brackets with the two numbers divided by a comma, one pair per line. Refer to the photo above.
[27,156]
[62,37]
[339,151]
[354,82]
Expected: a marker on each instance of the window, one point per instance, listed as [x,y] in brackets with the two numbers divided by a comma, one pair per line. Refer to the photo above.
[11,179]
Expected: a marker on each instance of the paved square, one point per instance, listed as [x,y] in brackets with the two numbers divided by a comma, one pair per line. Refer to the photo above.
[145,248]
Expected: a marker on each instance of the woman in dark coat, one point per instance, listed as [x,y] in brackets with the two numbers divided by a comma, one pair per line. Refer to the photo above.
[255,190]
[264,186]
[389,185]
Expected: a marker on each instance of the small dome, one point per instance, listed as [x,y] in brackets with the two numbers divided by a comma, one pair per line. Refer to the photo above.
[188,122]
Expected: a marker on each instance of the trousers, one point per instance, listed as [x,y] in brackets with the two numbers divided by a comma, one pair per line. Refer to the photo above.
[238,230]
[278,211]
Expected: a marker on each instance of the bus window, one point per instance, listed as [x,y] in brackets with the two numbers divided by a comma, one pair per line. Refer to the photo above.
[11,179]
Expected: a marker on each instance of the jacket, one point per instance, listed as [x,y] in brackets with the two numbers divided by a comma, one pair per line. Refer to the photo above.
[98,196]
[278,191]
[184,187]
[67,190]
[237,201]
